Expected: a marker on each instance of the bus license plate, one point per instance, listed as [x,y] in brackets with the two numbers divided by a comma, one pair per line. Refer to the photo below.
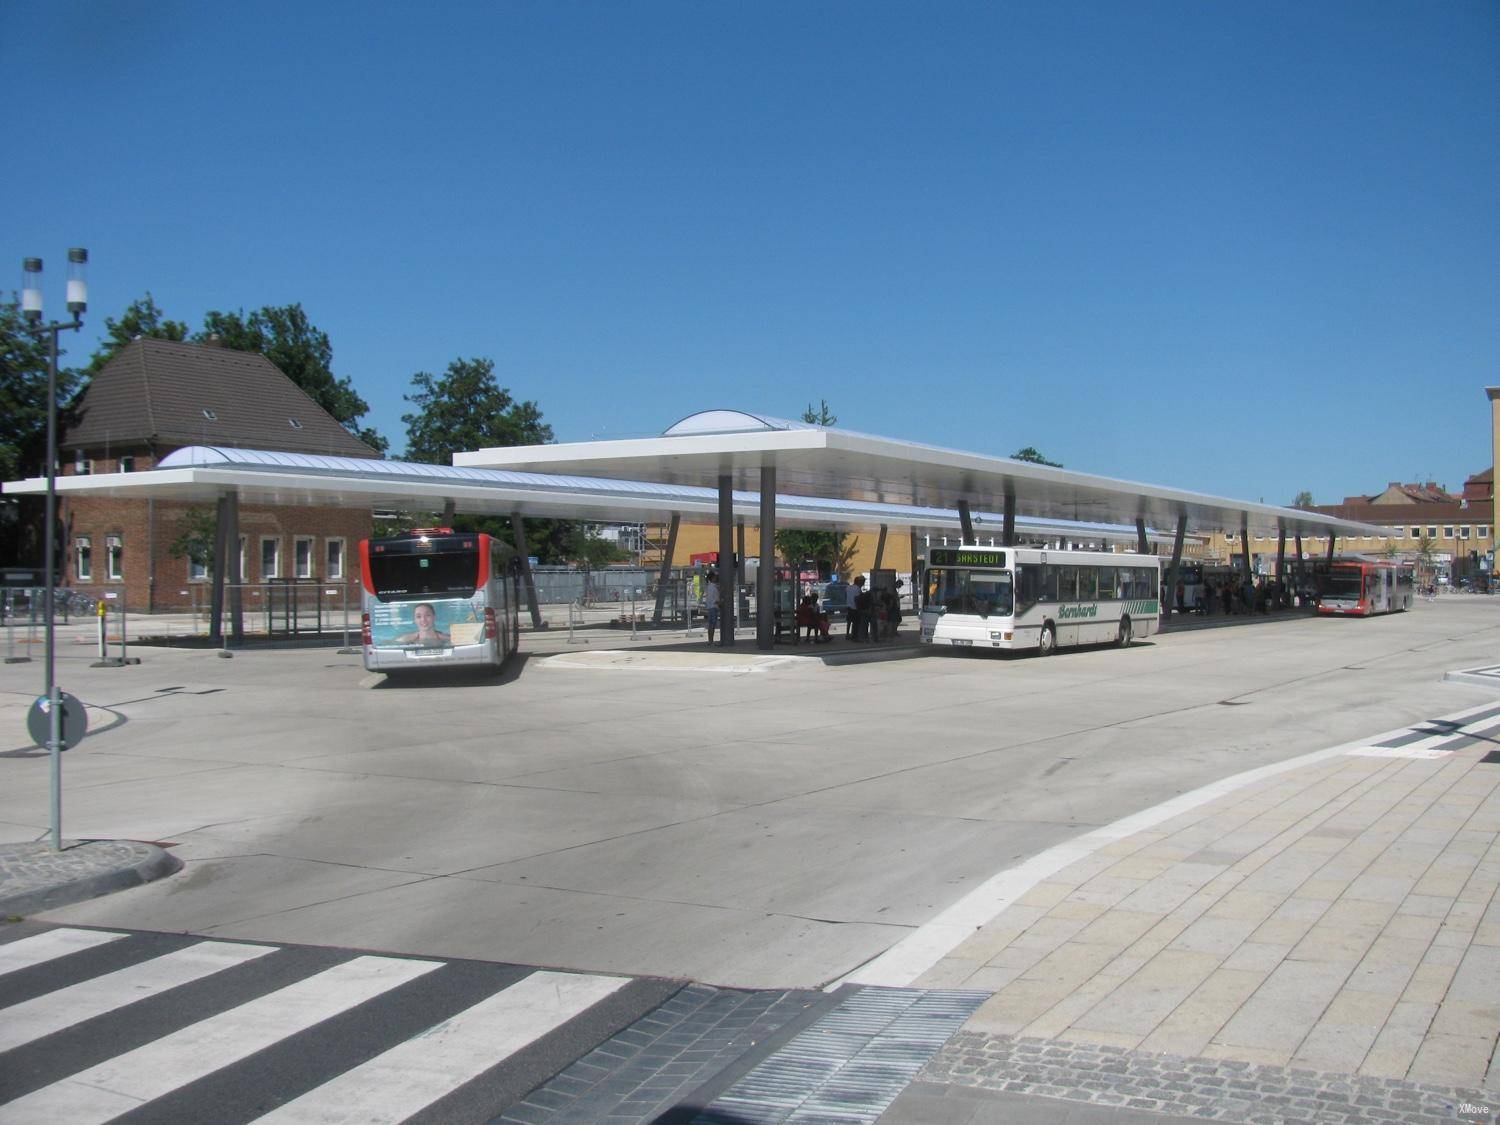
[962,643]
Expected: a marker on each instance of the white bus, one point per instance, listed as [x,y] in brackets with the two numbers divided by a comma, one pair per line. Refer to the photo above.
[1028,598]
[435,598]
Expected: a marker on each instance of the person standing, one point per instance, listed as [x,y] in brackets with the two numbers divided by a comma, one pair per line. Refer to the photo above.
[711,604]
[856,588]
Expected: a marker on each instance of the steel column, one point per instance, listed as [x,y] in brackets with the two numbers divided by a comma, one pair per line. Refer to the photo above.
[1245,543]
[1332,542]
[1280,552]
[880,548]
[664,575]
[1141,546]
[765,591]
[232,571]
[965,521]
[1172,568]
[1008,526]
[726,560]
[221,568]
[523,555]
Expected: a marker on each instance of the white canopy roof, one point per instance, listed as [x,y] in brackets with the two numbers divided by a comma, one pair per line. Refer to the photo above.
[819,461]
[204,473]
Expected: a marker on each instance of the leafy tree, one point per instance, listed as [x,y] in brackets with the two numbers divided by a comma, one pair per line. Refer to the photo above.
[821,416]
[141,319]
[465,408]
[195,535]
[1426,557]
[23,433]
[586,547]
[284,335]
[1031,455]
[796,545]
[1304,500]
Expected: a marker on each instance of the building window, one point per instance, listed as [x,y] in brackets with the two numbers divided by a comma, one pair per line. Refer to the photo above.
[1447,531]
[82,466]
[127,464]
[198,572]
[1432,531]
[1416,533]
[244,570]
[1463,531]
[302,556]
[270,558]
[1483,531]
[334,553]
[83,559]
[114,558]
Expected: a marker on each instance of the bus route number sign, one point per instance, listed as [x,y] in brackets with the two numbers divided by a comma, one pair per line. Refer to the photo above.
[962,556]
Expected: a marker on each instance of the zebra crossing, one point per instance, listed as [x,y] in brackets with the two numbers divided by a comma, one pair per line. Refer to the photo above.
[96,1024]
[1435,738]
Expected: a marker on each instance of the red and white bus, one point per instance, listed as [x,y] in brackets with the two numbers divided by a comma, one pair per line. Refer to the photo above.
[1364,588]
[437,598]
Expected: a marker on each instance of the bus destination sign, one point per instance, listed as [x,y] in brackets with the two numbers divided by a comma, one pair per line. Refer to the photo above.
[965,556]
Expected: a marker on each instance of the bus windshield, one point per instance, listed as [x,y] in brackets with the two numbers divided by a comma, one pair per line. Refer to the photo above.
[972,592]
[1343,582]
[401,577]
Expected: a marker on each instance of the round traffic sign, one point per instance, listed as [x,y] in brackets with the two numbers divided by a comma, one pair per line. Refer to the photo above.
[75,721]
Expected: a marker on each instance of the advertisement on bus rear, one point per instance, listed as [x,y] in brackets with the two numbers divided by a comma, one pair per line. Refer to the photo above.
[439,623]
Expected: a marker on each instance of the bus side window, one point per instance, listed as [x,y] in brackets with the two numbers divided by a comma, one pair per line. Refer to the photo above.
[1028,586]
[1048,592]
[1088,583]
[1067,583]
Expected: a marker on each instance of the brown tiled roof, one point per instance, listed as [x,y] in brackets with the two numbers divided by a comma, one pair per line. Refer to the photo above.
[1393,515]
[172,394]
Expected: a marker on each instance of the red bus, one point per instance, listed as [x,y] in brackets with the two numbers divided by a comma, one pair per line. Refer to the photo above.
[1361,588]
[434,597]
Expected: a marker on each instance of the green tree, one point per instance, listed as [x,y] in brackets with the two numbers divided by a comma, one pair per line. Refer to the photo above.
[833,548]
[1304,500]
[821,416]
[586,547]
[23,433]
[1426,558]
[301,350]
[465,408]
[141,319]
[196,529]
[1031,455]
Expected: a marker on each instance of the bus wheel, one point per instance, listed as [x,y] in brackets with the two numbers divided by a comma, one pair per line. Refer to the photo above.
[1124,638]
[1048,644]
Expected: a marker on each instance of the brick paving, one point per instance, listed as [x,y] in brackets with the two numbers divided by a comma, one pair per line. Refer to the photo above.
[1205,1089]
[33,875]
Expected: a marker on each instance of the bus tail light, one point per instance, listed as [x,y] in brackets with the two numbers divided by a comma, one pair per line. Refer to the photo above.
[491,630]
[364,628]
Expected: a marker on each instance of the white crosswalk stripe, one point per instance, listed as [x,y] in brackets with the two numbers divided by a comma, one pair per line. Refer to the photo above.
[214,1004]
[393,1086]
[41,948]
[32,1019]
[130,1080]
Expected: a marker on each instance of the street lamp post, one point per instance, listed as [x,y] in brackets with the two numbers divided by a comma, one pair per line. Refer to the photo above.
[31,311]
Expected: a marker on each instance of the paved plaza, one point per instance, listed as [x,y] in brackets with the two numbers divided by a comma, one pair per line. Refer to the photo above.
[1261,855]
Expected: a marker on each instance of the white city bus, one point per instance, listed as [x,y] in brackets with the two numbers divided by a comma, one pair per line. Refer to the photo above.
[435,598]
[1028,598]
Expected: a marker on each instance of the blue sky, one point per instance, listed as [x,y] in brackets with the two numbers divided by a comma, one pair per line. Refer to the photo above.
[1247,249]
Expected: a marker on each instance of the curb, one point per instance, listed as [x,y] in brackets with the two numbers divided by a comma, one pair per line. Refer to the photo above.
[156,865]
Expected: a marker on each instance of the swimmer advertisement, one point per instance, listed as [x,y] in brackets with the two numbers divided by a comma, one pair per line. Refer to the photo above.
[439,623]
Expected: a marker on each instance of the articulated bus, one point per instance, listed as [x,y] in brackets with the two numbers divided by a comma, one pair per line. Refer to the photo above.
[1360,588]
[436,598]
[1027,598]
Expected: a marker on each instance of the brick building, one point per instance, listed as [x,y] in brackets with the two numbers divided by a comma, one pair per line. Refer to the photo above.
[157,396]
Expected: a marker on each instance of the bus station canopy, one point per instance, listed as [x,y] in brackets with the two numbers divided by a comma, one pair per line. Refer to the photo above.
[202,474]
[812,460]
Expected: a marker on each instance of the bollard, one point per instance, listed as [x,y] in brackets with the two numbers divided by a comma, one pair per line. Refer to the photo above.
[99,612]
[632,613]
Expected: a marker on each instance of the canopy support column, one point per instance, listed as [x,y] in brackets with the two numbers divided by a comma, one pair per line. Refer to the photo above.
[880,548]
[916,605]
[664,575]
[1280,552]
[741,567]
[1332,542]
[726,561]
[232,570]
[221,568]
[765,589]
[1141,546]
[965,521]
[523,559]
[1008,526]
[1166,607]
[1245,544]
